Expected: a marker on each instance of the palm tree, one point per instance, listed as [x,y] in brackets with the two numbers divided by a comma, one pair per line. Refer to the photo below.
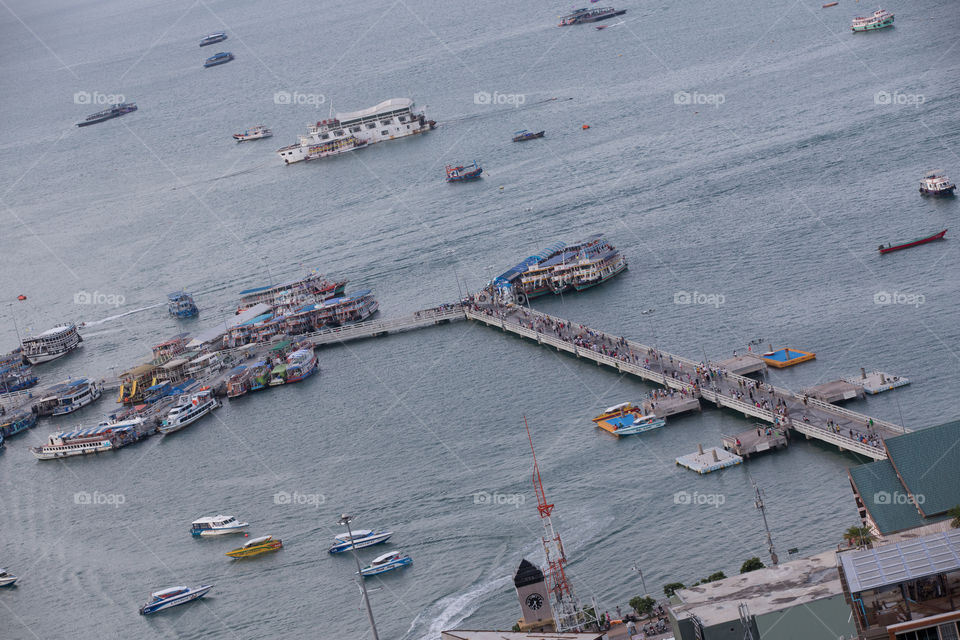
[860,536]
[955,514]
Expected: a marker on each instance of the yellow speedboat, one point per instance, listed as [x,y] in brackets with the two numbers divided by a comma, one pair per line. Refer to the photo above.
[257,546]
[617,411]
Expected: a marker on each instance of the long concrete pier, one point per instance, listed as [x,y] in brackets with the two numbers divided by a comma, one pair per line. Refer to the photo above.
[848,430]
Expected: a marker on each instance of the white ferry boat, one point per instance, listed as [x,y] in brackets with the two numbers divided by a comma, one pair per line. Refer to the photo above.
[51,344]
[106,436]
[394,118]
[72,396]
[188,410]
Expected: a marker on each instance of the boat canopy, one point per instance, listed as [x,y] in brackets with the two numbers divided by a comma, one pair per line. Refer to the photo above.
[617,407]
[217,519]
[96,431]
[386,558]
[256,541]
[357,534]
[167,593]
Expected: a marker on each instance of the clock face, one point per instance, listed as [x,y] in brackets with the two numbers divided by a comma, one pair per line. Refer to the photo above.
[534,601]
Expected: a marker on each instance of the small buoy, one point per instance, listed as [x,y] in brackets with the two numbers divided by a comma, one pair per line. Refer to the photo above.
[501,187]
[21,297]
[586,126]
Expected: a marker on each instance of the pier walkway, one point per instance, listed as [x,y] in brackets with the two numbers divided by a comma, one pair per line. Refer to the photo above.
[848,430]
[372,328]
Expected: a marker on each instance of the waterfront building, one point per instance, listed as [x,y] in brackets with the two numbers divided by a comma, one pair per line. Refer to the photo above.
[915,486]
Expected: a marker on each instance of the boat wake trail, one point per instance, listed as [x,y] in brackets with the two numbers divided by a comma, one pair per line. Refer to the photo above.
[500,112]
[450,611]
[121,315]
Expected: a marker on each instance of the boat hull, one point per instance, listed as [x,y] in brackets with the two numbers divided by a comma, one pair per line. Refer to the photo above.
[48,357]
[949,191]
[361,544]
[907,245]
[6,582]
[222,531]
[154,607]
[273,545]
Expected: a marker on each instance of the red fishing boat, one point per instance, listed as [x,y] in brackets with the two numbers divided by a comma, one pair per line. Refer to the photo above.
[912,243]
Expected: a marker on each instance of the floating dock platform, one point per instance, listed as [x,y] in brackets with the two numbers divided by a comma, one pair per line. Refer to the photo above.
[708,460]
[835,391]
[877,381]
[787,357]
[750,443]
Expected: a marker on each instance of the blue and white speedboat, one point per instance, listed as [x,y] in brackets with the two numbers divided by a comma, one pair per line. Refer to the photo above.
[218,58]
[386,562]
[217,526]
[361,538]
[172,597]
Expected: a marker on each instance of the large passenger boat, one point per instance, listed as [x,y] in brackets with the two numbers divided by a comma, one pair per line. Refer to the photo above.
[51,344]
[301,364]
[394,118]
[67,397]
[188,410]
[238,383]
[584,15]
[115,111]
[880,19]
[312,288]
[106,436]
[562,267]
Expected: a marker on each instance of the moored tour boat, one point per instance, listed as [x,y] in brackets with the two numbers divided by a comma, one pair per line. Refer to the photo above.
[880,19]
[389,120]
[173,597]
[257,546]
[115,111]
[238,383]
[259,376]
[936,183]
[253,133]
[913,243]
[188,410]
[180,304]
[67,397]
[386,562]
[16,377]
[218,58]
[520,136]
[213,38]
[584,15]
[11,425]
[301,364]
[464,172]
[106,436]
[51,344]
[311,288]
[362,538]
[218,525]
[278,375]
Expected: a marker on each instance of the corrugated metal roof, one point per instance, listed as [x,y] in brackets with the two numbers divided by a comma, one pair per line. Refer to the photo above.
[884,497]
[927,461]
[890,564]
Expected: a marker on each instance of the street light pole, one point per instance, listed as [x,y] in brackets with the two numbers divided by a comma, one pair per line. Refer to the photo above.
[642,581]
[345,520]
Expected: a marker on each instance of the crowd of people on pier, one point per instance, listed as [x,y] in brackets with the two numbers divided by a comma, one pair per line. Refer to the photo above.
[695,377]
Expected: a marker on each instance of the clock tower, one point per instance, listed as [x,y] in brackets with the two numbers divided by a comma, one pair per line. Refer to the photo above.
[534,599]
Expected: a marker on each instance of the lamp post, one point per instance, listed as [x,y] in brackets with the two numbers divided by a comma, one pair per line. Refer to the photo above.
[345,520]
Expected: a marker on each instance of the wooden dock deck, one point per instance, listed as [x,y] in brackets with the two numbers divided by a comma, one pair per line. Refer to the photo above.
[814,418]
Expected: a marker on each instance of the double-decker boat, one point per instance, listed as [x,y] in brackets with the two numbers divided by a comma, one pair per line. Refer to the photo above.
[218,58]
[106,436]
[213,38]
[257,546]
[180,304]
[625,419]
[880,19]
[913,243]
[253,133]
[311,288]
[67,397]
[238,383]
[361,538]
[218,525]
[936,183]
[462,173]
[51,344]
[259,376]
[16,377]
[188,410]
[114,111]
[590,272]
[587,14]
[386,562]
[13,424]
[173,597]
[301,364]
[391,119]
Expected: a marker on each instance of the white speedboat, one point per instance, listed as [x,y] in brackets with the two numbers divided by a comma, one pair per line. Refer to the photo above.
[188,410]
[361,538]
[217,526]
[7,578]
[386,562]
[172,597]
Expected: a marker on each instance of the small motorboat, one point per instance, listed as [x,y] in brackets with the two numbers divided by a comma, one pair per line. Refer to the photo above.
[217,526]
[257,546]
[173,597]
[464,173]
[218,58]
[913,243]
[361,538]
[213,38]
[626,420]
[521,136]
[935,183]
[7,578]
[386,562]
[830,4]
[253,133]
